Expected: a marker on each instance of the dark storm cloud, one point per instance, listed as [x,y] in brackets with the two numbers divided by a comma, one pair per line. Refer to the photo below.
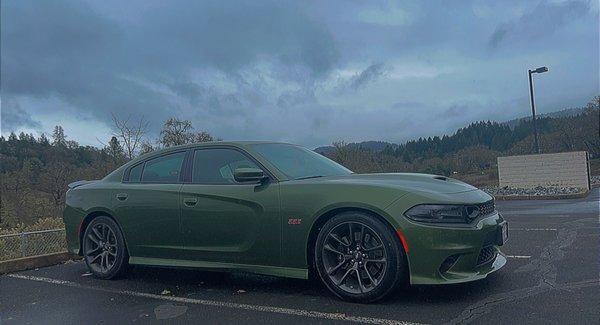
[307,72]
[69,50]
[13,116]
[371,73]
[545,18]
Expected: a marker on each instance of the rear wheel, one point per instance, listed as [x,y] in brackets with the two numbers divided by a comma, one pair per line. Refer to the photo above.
[358,257]
[104,248]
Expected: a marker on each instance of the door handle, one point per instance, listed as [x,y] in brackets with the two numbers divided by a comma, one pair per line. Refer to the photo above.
[190,201]
[122,196]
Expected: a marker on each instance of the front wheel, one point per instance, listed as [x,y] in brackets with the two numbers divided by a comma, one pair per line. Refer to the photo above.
[359,258]
[104,248]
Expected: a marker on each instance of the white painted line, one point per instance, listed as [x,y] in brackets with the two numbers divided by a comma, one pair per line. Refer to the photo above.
[214,303]
[534,229]
[518,256]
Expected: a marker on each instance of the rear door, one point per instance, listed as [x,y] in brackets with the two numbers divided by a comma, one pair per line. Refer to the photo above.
[148,207]
[226,221]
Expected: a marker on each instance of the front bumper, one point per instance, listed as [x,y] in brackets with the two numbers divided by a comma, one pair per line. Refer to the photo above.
[443,255]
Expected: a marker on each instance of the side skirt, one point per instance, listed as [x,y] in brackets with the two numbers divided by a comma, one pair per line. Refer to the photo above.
[259,269]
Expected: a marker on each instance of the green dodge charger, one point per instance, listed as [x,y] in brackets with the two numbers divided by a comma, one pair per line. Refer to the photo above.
[281,209]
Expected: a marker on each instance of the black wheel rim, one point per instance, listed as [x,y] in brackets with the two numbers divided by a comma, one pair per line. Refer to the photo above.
[101,248]
[354,257]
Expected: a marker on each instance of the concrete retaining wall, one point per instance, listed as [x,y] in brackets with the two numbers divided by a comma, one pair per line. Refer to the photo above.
[565,169]
[32,262]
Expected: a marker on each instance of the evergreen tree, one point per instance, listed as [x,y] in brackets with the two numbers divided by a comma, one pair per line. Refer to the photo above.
[115,150]
[43,140]
[58,137]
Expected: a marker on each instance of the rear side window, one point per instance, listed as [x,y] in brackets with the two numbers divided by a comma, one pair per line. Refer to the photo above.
[164,169]
[136,173]
[216,166]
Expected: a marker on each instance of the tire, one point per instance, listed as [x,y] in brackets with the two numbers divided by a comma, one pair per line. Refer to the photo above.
[364,268]
[106,259]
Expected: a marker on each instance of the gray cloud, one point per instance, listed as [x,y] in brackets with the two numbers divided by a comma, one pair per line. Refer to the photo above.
[361,79]
[13,116]
[271,69]
[545,18]
[67,49]
[371,73]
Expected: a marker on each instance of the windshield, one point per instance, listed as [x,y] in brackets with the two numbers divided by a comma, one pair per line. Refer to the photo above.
[297,162]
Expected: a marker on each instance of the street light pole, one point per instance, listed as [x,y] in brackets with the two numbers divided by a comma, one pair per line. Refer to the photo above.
[535,131]
[535,134]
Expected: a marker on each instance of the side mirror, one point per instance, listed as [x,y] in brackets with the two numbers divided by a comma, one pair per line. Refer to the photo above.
[246,175]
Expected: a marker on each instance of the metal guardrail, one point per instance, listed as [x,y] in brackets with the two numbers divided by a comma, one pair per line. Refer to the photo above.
[32,243]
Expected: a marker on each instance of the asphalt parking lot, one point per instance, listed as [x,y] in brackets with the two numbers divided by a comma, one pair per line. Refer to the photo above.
[552,276]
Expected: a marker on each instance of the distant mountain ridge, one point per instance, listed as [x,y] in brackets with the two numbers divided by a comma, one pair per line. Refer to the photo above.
[378,146]
[562,113]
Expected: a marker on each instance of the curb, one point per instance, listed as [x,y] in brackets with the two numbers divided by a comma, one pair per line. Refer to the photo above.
[541,197]
[32,262]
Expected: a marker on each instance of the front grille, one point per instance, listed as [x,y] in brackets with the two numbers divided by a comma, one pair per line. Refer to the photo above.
[486,255]
[486,208]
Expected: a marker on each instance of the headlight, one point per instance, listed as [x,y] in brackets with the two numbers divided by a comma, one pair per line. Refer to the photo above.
[443,213]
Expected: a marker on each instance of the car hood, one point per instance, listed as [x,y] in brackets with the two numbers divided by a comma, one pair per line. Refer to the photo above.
[403,181]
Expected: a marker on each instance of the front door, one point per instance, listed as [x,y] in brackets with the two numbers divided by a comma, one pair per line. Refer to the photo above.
[226,221]
[148,208]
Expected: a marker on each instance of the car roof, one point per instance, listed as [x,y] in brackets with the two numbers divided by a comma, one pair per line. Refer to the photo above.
[242,143]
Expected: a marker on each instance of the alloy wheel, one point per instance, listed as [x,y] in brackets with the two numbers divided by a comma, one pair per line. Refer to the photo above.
[354,257]
[101,248]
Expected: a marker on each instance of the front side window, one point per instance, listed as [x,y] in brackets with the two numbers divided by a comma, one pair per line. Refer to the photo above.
[164,169]
[216,166]
[297,162]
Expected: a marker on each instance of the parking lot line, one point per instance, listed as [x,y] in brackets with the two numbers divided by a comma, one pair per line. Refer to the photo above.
[215,303]
[534,229]
[518,256]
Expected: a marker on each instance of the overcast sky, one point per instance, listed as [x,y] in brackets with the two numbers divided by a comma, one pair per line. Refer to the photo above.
[308,72]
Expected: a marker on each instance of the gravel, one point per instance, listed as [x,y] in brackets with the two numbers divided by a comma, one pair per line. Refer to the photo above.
[537,191]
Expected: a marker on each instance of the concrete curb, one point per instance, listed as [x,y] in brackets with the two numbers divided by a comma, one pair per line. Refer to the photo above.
[542,197]
[32,262]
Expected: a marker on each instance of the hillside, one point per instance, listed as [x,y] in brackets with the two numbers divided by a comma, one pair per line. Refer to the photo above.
[381,145]
[471,152]
[562,113]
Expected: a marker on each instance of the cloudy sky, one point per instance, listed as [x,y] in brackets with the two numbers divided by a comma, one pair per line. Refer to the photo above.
[308,72]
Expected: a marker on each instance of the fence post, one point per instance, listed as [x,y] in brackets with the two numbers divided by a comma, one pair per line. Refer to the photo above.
[23,238]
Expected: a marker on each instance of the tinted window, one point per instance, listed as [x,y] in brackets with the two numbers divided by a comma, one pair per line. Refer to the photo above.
[297,162]
[136,173]
[165,169]
[216,166]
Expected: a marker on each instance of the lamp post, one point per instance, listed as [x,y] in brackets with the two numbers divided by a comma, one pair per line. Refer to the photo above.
[535,132]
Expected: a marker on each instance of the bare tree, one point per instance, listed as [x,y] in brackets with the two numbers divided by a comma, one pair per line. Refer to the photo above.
[54,181]
[203,136]
[131,134]
[176,132]
[15,195]
[146,147]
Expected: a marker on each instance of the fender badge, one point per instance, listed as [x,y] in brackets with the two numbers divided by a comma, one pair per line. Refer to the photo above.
[294,221]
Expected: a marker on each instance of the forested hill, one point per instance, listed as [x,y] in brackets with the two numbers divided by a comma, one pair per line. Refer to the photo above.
[576,129]
[562,113]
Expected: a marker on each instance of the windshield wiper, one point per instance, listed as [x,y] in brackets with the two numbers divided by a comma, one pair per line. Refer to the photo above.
[307,177]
